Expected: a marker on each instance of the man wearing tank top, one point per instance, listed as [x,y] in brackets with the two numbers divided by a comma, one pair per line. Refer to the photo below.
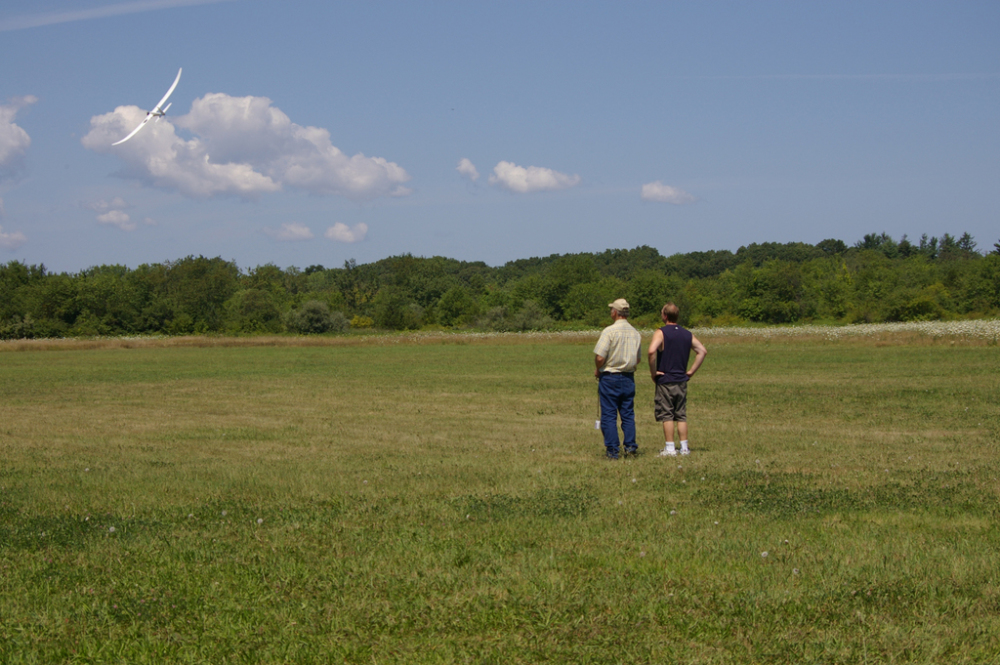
[669,352]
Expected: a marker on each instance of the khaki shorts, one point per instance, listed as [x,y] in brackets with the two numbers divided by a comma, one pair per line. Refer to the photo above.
[670,402]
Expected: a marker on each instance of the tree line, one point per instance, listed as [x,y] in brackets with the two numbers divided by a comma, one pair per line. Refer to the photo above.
[877,279]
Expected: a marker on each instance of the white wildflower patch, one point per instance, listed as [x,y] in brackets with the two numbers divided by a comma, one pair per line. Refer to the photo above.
[981,329]
[987,329]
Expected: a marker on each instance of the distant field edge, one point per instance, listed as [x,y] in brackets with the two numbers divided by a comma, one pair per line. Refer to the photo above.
[980,332]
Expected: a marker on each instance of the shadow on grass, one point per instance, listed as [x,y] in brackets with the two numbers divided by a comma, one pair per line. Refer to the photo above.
[563,502]
[791,494]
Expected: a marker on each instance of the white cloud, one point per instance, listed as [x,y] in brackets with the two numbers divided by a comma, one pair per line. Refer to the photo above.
[111,213]
[531,179]
[468,169]
[243,146]
[11,240]
[117,203]
[117,218]
[14,141]
[291,231]
[158,157]
[52,18]
[657,191]
[343,233]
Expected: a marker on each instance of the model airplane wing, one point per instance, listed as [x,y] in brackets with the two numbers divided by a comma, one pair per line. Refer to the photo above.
[169,92]
[156,112]
[136,130]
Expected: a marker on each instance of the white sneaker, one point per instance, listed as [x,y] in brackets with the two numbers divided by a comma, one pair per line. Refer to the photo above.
[685,451]
[668,452]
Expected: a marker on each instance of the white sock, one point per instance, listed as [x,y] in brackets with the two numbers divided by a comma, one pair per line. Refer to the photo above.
[669,445]
[684,444]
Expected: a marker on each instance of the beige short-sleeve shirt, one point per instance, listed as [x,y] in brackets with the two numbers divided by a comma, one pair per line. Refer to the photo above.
[619,345]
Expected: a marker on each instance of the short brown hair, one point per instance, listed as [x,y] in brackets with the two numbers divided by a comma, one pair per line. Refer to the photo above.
[670,312]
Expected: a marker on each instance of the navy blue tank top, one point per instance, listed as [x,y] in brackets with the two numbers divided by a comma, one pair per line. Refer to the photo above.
[673,359]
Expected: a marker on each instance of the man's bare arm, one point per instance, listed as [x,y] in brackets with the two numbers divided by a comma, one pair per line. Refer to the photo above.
[655,346]
[700,353]
[599,363]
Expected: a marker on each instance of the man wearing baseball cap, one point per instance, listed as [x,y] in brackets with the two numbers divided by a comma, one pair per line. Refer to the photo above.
[616,356]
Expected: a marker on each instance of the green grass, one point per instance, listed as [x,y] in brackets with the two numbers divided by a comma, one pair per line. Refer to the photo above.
[447,501]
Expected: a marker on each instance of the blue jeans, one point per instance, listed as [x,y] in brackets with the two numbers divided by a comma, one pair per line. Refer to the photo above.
[617,395]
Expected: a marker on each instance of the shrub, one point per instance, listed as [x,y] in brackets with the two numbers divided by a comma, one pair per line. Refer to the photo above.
[88,325]
[530,317]
[315,317]
[18,328]
[495,318]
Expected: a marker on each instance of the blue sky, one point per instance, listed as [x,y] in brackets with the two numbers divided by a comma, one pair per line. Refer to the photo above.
[313,132]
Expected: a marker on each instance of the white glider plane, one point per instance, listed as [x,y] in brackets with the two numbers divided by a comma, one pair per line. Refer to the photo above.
[158,111]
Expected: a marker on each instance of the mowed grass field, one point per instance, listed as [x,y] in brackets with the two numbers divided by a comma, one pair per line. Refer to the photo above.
[446,500]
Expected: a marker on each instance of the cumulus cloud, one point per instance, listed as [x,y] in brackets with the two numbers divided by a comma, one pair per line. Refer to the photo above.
[468,169]
[291,231]
[117,218]
[11,240]
[531,179]
[343,233]
[243,146]
[14,141]
[112,213]
[657,191]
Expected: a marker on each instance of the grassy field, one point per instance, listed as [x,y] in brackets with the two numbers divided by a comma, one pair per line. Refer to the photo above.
[446,500]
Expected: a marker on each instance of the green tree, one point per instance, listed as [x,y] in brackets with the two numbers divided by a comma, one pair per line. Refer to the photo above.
[990,276]
[16,281]
[648,290]
[110,299]
[536,288]
[792,252]
[948,249]
[832,246]
[926,303]
[701,264]
[52,303]
[874,287]
[828,287]
[928,247]
[394,310]
[271,279]
[623,263]
[456,306]
[565,273]
[772,294]
[879,242]
[198,288]
[588,302]
[253,311]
